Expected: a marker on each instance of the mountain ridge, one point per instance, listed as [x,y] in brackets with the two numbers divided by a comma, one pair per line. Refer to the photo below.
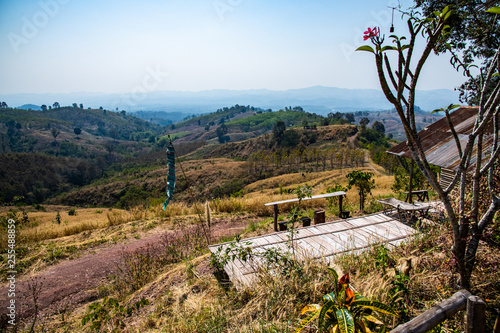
[319,99]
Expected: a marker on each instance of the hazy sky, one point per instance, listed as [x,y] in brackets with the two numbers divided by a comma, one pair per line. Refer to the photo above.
[130,45]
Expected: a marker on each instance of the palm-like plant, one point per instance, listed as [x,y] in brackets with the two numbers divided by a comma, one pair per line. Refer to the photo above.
[345,311]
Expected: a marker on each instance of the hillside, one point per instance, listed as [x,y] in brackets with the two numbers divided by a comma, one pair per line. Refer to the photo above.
[216,170]
[48,152]
[136,267]
[245,122]
[392,122]
[120,159]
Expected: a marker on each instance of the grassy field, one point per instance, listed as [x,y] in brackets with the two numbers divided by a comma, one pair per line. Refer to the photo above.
[177,291]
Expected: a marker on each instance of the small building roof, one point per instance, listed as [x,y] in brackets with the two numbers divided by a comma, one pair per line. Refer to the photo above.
[438,142]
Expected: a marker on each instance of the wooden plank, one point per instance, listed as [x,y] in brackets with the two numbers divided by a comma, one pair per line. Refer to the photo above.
[368,237]
[302,233]
[334,246]
[307,247]
[358,241]
[321,196]
[259,241]
[343,240]
[362,221]
[334,227]
[322,244]
[394,229]
[282,235]
[382,230]
[270,239]
[321,241]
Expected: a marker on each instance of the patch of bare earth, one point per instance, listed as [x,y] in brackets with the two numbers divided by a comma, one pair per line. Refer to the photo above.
[74,282]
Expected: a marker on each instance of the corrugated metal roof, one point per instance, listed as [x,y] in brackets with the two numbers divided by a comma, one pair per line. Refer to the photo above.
[438,142]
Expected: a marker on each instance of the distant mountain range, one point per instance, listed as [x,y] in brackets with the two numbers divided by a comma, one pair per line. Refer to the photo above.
[318,99]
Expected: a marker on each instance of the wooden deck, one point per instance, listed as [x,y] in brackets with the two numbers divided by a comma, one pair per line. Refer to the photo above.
[324,240]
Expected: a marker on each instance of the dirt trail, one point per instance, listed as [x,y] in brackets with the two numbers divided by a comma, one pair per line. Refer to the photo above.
[368,162]
[74,282]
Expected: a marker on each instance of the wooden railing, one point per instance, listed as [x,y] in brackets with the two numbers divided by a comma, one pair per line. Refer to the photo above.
[475,318]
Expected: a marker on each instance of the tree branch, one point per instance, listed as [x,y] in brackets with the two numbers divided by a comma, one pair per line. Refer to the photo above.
[454,132]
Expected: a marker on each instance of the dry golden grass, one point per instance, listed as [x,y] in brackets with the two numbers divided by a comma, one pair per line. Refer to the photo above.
[44,226]
[186,297]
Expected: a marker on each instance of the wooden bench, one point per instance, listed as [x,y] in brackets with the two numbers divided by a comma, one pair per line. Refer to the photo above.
[339,194]
[422,195]
[406,211]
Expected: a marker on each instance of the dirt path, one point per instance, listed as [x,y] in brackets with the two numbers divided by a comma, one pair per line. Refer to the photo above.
[74,282]
[370,165]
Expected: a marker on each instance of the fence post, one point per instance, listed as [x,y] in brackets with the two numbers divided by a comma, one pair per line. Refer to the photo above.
[476,315]
[436,315]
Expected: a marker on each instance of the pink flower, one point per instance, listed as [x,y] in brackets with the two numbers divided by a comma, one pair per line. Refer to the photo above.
[370,33]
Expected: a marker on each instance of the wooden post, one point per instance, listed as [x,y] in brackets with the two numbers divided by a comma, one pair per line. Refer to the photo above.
[319,217]
[276,212]
[340,205]
[436,315]
[476,315]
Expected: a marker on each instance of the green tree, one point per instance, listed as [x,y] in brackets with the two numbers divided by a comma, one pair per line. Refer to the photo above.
[221,132]
[279,129]
[43,107]
[56,105]
[363,182]
[290,138]
[55,132]
[379,127]
[349,117]
[474,32]
[364,121]
[77,131]
[399,86]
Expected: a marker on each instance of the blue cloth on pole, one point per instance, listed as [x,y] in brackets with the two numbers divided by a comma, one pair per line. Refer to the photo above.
[171,175]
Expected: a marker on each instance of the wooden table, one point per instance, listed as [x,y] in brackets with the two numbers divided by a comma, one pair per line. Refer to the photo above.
[339,194]
[422,195]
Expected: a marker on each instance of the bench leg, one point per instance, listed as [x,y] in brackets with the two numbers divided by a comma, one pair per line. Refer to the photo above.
[276,212]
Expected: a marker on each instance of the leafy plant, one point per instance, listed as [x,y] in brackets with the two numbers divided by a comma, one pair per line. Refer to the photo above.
[302,192]
[109,313]
[399,293]
[382,257]
[58,218]
[363,182]
[334,201]
[345,311]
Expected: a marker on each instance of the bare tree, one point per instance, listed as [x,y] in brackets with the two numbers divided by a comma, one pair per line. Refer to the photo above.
[399,86]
